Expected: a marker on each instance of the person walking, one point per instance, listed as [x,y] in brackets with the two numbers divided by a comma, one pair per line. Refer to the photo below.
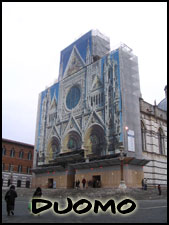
[78,184]
[10,200]
[38,192]
[159,189]
[84,182]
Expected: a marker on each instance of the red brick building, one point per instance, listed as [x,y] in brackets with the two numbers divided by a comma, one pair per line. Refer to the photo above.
[17,162]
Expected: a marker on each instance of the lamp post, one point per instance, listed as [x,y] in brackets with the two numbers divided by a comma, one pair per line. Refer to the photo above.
[122,184]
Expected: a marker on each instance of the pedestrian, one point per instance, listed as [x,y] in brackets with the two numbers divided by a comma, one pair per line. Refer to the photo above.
[145,184]
[159,189]
[36,194]
[98,183]
[84,182]
[78,184]
[10,200]
[142,182]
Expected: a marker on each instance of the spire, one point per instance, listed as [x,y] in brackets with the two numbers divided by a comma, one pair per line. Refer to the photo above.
[88,54]
[165,89]
[61,69]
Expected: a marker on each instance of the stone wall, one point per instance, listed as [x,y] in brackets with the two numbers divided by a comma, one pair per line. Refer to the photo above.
[154,118]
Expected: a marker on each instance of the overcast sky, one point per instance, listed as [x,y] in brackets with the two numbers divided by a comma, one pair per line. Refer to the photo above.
[33,34]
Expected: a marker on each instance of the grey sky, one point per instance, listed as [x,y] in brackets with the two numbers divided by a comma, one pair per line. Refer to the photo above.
[33,34]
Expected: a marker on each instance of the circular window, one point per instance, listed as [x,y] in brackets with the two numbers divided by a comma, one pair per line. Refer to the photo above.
[73,97]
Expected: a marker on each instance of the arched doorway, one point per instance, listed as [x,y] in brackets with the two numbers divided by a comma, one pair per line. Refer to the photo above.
[72,141]
[19,183]
[27,184]
[94,141]
[53,149]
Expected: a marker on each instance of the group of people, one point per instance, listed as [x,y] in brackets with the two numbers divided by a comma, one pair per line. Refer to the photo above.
[144,186]
[77,183]
[95,183]
[10,196]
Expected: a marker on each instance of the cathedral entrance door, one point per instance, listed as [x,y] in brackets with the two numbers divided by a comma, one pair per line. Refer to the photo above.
[50,183]
[97,181]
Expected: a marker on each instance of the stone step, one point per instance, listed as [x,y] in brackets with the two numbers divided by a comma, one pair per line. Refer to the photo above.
[92,193]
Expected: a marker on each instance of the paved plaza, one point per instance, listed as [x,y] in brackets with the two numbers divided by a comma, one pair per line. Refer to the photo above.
[151,208]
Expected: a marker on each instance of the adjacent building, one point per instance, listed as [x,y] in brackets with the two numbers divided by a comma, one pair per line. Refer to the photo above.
[154,140]
[93,113]
[17,162]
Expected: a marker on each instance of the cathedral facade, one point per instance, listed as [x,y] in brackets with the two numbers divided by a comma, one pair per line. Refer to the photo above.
[91,114]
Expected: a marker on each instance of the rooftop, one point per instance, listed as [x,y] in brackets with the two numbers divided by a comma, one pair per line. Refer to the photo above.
[17,142]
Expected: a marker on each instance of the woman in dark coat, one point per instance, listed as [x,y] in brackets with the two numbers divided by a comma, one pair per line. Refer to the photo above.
[38,192]
[10,200]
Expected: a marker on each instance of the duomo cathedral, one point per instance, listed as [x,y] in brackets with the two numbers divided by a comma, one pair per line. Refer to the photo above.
[92,113]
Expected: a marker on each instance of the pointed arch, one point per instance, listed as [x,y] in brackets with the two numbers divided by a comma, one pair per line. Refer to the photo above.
[75,62]
[94,140]
[53,148]
[72,141]
[143,135]
[161,141]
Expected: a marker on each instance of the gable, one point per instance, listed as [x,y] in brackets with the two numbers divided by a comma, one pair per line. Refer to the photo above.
[53,105]
[94,118]
[75,63]
[96,83]
[72,125]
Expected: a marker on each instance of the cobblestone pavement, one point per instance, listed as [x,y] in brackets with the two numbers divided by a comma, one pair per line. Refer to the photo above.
[152,208]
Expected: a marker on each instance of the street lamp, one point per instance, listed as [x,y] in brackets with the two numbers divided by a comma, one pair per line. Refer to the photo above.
[122,184]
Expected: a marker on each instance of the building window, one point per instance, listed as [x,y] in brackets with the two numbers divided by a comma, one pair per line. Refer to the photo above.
[99,99]
[29,156]
[161,141]
[19,168]
[91,101]
[10,168]
[19,183]
[96,99]
[12,153]
[28,170]
[143,136]
[21,154]
[73,97]
[3,166]
[3,151]
[27,184]
[52,117]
